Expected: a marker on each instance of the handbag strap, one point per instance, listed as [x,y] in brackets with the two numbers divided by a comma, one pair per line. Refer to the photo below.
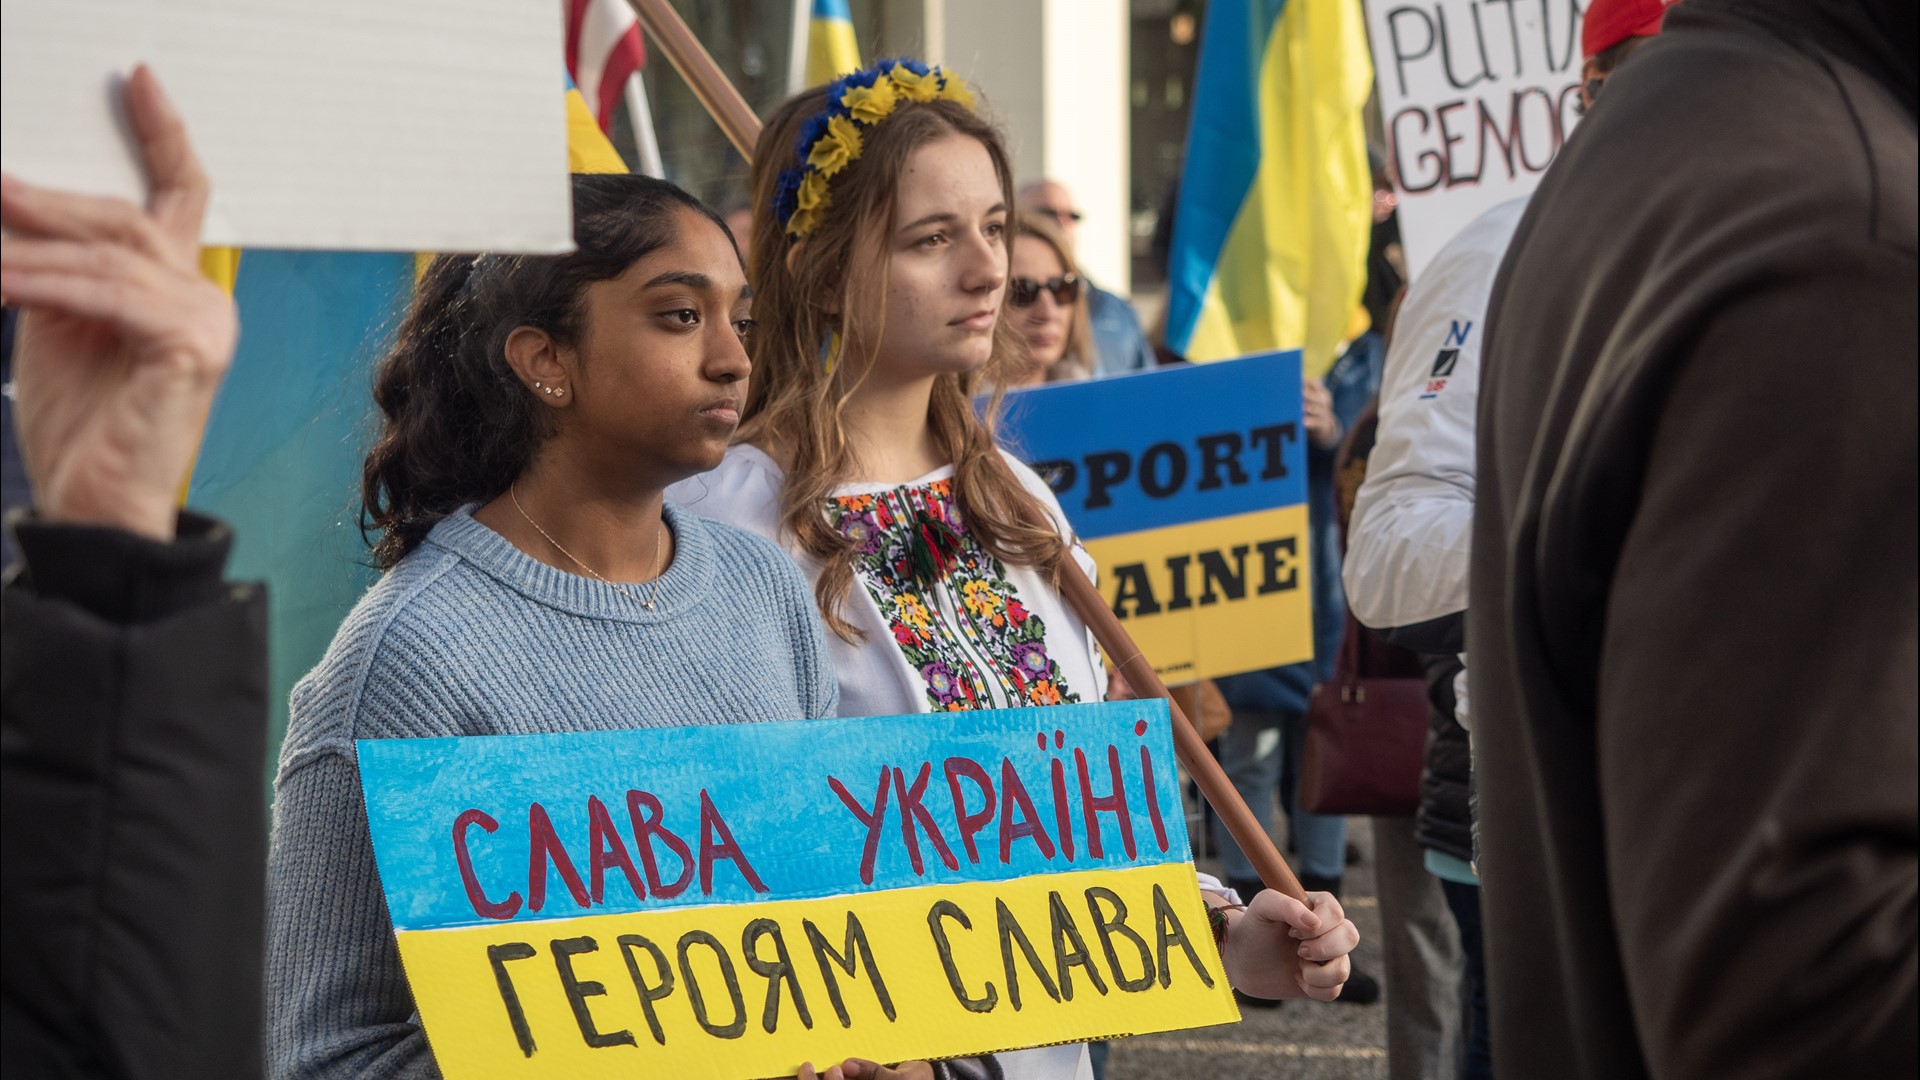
[1346,667]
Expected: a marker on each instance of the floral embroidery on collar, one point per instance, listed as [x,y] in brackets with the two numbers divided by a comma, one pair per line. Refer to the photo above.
[975,645]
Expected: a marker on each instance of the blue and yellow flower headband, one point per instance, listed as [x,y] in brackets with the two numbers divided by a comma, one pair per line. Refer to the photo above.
[833,139]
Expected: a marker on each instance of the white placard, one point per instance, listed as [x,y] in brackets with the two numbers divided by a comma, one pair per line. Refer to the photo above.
[374,125]
[1477,97]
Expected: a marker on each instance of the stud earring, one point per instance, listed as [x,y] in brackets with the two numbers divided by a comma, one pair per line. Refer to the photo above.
[559,392]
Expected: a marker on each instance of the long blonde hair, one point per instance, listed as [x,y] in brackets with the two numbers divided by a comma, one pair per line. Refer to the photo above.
[795,405]
[1081,355]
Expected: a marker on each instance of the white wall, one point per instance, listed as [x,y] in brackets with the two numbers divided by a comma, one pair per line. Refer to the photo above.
[1053,74]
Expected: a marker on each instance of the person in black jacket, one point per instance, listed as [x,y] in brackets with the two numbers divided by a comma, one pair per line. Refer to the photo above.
[134,703]
[1692,635]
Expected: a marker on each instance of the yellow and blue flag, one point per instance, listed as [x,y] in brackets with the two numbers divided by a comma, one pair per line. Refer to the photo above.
[280,460]
[588,149]
[281,455]
[832,50]
[1276,197]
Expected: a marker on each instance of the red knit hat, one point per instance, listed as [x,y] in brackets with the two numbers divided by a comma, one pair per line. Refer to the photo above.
[1610,22]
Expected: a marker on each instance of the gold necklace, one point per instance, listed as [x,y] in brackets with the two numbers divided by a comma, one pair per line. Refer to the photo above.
[653,592]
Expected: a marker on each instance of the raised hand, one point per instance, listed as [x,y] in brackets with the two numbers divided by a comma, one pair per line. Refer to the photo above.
[123,342]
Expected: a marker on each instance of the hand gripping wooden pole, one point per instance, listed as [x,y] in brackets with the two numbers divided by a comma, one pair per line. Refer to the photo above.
[711,85]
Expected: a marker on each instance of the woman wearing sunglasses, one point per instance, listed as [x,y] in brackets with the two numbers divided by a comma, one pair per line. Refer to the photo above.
[1048,307]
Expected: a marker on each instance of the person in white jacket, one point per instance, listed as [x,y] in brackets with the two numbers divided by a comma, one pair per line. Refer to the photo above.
[1407,547]
[1407,554]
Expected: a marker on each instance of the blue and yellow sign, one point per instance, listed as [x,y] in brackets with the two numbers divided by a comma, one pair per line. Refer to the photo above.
[1188,486]
[732,900]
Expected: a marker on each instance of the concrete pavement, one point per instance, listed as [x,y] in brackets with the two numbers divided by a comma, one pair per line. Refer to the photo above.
[1323,1041]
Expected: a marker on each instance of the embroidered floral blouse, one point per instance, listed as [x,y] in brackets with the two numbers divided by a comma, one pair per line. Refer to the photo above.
[981,635]
[973,634]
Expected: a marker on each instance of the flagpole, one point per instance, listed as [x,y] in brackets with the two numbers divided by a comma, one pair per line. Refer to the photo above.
[666,29]
[731,111]
[797,54]
[640,115]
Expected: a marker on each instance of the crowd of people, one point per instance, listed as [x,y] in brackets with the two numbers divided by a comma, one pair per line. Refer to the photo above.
[1656,420]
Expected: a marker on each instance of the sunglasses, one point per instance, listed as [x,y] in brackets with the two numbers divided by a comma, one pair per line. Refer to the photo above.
[1025,292]
[1061,216]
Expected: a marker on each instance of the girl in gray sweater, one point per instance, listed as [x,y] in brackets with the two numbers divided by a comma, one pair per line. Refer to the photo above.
[535,409]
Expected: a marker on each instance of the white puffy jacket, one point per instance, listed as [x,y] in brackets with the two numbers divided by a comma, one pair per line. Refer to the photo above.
[1408,541]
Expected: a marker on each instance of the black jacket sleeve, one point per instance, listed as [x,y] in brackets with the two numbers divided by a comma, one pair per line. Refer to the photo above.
[133,743]
[1443,636]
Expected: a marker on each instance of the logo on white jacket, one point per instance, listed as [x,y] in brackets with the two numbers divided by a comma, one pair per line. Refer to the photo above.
[1446,358]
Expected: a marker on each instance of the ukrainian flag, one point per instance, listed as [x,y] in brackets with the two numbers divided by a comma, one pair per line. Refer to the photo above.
[588,150]
[280,458]
[1272,223]
[831,48]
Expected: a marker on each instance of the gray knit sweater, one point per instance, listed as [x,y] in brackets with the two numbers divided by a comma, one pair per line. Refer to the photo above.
[468,636]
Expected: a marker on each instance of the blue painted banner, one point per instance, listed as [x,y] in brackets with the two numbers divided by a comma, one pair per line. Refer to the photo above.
[731,900]
[1188,486]
[639,820]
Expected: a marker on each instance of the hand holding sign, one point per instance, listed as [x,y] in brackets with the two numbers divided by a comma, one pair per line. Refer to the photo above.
[1323,428]
[125,341]
[1273,925]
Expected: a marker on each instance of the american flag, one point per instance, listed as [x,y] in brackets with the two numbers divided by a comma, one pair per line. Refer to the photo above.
[604,56]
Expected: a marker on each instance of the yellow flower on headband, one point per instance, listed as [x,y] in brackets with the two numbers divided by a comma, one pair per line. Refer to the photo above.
[840,145]
[803,222]
[955,89]
[870,104]
[813,192]
[915,87]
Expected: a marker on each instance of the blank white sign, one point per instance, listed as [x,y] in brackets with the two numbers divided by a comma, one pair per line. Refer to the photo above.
[370,125]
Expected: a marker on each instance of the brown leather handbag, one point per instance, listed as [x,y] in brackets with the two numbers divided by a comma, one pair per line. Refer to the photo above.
[1367,726]
[1366,731]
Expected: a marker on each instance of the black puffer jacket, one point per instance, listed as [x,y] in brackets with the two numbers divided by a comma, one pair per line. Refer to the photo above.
[1445,820]
[134,757]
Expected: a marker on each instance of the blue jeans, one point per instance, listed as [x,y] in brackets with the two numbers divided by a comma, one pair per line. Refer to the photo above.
[1260,753]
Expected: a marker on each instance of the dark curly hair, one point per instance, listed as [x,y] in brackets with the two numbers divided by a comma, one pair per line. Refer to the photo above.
[457,425]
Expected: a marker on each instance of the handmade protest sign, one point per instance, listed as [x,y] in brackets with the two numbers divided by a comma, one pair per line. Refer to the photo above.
[732,900]
[1478,96]
[1188,486]
[434,125]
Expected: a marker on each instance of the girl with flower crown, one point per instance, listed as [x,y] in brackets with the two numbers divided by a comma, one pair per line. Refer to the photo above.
[883,215]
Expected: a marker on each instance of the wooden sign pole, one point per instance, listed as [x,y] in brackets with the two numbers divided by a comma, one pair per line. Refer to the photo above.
[1220,793]
[669,33]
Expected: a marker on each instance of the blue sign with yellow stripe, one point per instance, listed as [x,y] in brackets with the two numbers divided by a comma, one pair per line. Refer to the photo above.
[733,899]
[1188,486]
